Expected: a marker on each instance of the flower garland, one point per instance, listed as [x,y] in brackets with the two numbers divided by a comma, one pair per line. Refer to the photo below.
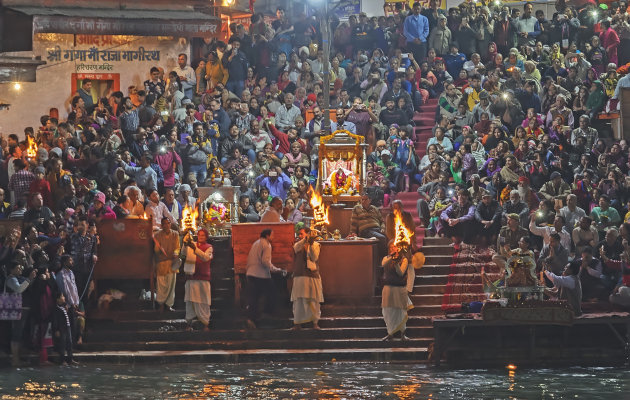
[355,154]
[339,183]
[213,176]
[357,146]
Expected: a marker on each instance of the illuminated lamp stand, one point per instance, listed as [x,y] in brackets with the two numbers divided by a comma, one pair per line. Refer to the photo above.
[188,228]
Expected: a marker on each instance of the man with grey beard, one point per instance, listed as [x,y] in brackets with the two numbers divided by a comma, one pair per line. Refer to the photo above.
[516,206]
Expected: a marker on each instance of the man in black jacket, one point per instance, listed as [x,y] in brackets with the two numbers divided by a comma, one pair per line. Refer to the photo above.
[235,62]
[488,214]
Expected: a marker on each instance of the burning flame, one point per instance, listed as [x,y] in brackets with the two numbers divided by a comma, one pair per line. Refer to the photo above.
[320,212]
[403,235]
[144,216]
[31,150]
[189,218]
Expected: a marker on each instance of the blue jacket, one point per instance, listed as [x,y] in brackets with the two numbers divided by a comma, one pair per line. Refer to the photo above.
[454,63]
[416,27]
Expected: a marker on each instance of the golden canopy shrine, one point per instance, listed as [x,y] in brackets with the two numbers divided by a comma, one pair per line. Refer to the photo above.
[341,175]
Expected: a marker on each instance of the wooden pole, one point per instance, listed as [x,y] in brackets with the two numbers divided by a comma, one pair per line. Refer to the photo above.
[325,28]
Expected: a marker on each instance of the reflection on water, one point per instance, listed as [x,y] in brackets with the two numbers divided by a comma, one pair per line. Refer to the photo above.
[310,381]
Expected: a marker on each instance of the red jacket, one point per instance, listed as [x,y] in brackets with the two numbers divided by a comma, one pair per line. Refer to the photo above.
[42,186]
[284,146]
[202,268]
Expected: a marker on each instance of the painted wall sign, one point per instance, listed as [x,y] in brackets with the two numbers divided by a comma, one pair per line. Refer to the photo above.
[142,27]
[94,54]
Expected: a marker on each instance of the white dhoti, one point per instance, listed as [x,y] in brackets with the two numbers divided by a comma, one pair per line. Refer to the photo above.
[395,304]
[165,288]
[198,301]
[411,279]
[306,295]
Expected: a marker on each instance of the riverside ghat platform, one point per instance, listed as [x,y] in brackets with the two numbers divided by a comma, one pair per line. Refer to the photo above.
[130,330]
[591,339]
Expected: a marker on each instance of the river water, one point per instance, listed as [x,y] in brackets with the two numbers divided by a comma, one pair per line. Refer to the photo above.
[310,381]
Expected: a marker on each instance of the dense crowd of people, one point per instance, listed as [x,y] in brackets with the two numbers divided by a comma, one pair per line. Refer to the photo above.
[519,158]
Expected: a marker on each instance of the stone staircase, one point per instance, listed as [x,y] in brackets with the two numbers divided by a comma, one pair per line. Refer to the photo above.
[349,331]
[425,121]
[132,332]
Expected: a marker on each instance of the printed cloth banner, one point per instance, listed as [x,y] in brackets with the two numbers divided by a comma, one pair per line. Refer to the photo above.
[10,306]
[348,8]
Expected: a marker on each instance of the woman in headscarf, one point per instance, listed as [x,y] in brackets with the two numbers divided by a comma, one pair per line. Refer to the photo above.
[591,76]
[478,152]
[512,171]
[489,169]
[496,63]
[556,53]
[490,53]
[532,74]
[514,61]
[596,99]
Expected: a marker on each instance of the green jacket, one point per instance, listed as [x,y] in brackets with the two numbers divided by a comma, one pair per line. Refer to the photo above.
[596,99]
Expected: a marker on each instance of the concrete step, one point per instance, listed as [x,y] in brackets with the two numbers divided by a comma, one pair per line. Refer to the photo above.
[265,332]
[439,279]
[439,260]
[436,240]
[429,107]
[426,310]
[387,354]
[433,269]
[437,250]
[326,344]
[237,323]
[424,121]
[428,289]
[426,299]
